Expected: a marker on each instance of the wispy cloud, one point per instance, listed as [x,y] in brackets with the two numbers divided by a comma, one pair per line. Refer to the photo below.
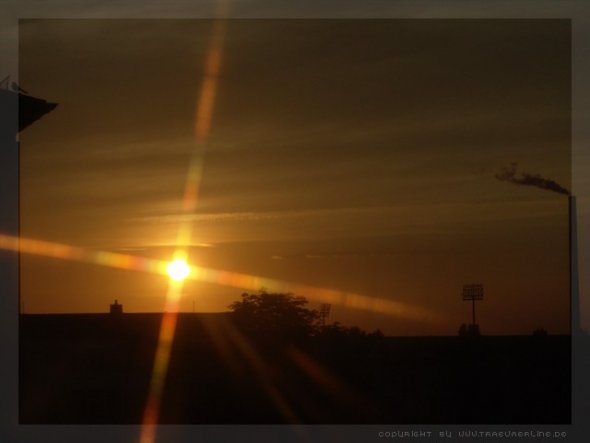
[355,222]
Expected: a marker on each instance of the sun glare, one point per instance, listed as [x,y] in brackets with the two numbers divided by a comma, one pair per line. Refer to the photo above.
[178,269]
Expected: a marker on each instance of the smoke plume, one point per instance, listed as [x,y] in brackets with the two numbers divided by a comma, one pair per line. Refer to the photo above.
[509,174]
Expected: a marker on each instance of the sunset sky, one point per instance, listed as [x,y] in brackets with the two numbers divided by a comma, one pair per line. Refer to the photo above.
[354,155]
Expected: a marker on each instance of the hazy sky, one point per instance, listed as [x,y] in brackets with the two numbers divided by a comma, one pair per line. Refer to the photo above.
[357,155]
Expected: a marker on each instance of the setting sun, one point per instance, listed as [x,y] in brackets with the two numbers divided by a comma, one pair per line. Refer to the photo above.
[178,269]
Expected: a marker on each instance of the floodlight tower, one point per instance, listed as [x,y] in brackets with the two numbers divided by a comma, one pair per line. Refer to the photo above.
[473,292]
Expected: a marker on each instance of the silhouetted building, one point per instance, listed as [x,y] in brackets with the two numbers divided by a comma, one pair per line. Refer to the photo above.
[116,308]
[18,109]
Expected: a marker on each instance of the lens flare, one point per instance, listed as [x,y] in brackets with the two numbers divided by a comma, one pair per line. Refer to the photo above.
[178,269]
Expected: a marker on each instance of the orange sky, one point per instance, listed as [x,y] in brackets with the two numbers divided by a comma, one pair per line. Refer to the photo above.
[353,155]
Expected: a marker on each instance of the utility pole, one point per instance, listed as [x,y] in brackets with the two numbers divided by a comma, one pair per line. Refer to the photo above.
[324,313]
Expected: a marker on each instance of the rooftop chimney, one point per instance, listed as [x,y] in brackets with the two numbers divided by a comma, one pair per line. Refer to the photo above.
[116,308]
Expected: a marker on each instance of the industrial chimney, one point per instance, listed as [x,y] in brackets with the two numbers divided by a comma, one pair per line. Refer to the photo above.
[574,288]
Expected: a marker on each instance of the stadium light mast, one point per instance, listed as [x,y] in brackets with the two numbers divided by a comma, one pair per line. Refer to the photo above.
[473,292]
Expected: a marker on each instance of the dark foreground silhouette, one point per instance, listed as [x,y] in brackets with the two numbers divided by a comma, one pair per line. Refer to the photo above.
[95,368]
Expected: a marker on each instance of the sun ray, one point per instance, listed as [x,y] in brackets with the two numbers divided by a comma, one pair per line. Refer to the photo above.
[75,253]
[256,361]
[204,113]
[161,361]
[317,294]
[221,277]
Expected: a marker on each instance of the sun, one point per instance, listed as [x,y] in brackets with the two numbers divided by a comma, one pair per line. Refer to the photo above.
[178,269]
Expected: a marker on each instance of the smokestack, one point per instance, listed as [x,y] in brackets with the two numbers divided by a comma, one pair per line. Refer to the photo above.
[508,174]
[574,289]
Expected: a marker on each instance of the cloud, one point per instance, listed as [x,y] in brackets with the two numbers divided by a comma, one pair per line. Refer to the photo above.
[334,223]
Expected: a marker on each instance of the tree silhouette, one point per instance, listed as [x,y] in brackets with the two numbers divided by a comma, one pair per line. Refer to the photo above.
[275,316]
